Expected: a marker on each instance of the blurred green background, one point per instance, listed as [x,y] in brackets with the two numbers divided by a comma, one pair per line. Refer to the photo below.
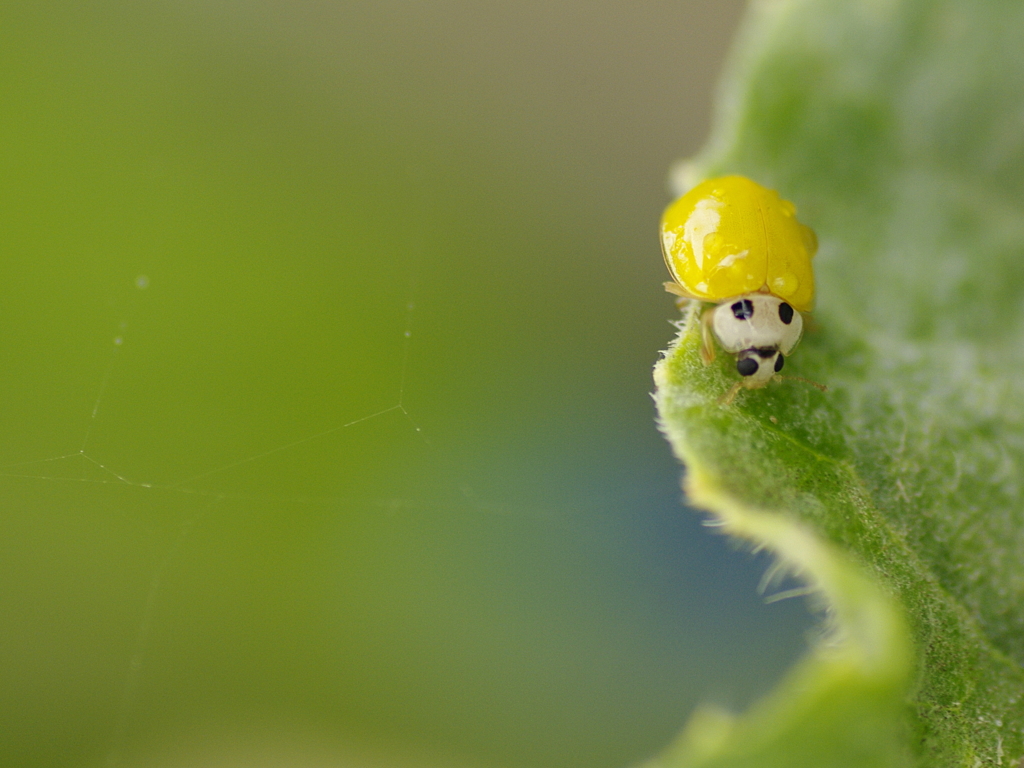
[229,229]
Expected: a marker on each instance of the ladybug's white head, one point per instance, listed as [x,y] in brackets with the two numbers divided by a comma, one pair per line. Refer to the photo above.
[761,330]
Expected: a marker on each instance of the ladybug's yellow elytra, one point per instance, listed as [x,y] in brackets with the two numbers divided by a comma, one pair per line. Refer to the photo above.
[730,236]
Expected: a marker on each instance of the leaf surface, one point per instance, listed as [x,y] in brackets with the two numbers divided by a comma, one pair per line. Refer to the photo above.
[897,128]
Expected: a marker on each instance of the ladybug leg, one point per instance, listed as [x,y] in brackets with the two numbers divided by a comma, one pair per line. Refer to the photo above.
[677,290]
[707,342]
[683,299]
[729,396]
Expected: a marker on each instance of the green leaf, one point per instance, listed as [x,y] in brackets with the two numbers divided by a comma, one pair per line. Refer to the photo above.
[897,128]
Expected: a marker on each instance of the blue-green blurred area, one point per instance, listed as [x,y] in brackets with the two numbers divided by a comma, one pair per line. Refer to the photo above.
[325,344]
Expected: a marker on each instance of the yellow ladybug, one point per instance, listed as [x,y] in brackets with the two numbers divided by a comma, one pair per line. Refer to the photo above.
[735,243]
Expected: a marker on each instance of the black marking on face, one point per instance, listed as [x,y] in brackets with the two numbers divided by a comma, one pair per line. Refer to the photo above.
[743,310]
[747,366]
[785,313]
[765,352]
[779,362]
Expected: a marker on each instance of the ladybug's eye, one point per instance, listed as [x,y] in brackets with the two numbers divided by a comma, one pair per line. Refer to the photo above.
[743,310]
[747,366]
[779,362]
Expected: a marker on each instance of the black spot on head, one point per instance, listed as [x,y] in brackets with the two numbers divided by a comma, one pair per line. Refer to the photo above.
[779,362]
[747,366]
[743,310]
[765,352]
[785,313]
